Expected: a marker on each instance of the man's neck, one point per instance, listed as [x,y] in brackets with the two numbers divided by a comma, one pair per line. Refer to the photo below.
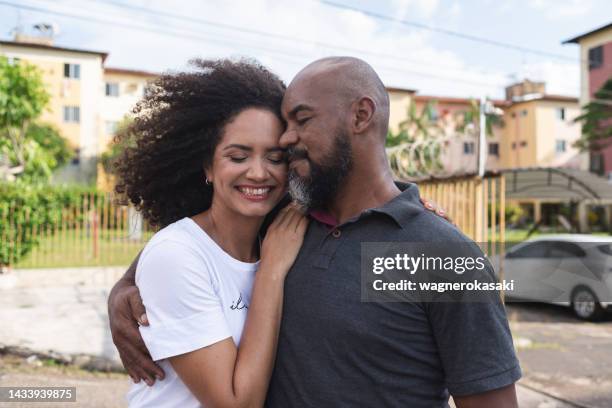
[361,191]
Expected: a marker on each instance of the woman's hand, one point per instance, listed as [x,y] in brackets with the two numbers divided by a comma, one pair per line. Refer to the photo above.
[283,241]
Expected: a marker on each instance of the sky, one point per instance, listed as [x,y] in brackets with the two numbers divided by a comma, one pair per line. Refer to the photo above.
[391,35]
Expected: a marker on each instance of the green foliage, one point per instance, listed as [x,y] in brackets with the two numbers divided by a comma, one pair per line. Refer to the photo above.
[596,120]
[44,150]
[415,149]
[22,93]
[26,209]
[28,149]
[514,214]
[469,120]
[122,140]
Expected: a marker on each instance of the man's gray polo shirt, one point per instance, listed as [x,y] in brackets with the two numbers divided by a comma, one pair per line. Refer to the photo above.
[336,351]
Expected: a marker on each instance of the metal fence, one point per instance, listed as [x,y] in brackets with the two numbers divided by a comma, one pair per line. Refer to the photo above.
[99,232]
[95,232]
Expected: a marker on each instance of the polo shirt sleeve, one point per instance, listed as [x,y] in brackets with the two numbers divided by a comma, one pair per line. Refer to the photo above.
[183,309]
[475,345]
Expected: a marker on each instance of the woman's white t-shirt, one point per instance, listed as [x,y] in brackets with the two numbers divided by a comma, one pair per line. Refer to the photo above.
[195,295]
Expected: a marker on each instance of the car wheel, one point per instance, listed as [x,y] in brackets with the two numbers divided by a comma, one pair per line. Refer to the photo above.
[585,304]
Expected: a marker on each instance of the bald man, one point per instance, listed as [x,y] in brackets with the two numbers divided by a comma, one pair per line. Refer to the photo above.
[335,350]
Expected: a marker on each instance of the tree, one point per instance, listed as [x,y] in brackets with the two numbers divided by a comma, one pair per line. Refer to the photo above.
[468,121]
[122,139]
[596,120]
[415,149]
[22,99]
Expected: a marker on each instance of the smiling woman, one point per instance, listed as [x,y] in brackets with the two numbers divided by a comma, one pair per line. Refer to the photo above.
[206,165]
[178,126]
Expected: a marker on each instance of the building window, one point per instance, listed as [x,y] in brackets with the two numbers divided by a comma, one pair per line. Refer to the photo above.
[111,127]
[560,146]
[561,113]
[468,148]
[76,159]
[72,114]
[13,60]
[523,143]
[596,164]
[72,71]
[595,57]
[513,145]
[513,114]
[112,89]
[524,112]
[494,149]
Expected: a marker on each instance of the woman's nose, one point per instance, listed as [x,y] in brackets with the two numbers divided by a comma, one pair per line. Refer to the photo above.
[257,171]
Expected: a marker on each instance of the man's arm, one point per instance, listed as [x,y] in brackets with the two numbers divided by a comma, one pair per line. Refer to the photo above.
[501,398]
[125,312]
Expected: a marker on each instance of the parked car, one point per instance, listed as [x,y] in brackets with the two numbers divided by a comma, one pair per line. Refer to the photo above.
[569,269]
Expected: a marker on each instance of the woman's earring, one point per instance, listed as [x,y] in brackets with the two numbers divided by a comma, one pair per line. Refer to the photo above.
[208,183]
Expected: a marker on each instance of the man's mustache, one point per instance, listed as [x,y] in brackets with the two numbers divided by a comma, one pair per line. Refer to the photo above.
[296,154]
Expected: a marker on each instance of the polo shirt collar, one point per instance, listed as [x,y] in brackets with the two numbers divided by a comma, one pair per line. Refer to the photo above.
[401,208]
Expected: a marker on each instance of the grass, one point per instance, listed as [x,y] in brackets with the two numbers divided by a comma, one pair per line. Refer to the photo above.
[78,248]
[115,248]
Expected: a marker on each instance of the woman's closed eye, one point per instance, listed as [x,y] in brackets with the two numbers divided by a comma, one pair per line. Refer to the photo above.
[278,158]
[238,159]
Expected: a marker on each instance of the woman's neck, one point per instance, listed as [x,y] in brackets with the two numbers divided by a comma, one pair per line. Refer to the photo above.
[236,234]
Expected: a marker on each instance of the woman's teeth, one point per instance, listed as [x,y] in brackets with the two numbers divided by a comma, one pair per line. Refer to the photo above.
[254,191]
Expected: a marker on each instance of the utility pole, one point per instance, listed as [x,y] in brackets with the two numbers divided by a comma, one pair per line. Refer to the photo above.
[482,138]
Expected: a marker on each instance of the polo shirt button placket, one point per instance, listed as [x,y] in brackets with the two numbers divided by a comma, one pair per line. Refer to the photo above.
[336,233]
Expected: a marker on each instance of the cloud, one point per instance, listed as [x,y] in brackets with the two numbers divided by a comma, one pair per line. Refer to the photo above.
[415,8]
[555,9]
[403,57]
[560,78]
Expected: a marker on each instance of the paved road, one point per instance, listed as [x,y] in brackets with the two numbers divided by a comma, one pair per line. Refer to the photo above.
[65,311]
[562,356]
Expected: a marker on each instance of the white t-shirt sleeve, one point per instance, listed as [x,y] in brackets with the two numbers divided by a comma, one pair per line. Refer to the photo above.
[183,309]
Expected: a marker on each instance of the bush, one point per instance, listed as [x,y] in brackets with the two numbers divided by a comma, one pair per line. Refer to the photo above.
[26,209]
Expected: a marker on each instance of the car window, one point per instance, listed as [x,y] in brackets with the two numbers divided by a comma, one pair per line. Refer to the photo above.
[605,248]
[537,249]
[560,249]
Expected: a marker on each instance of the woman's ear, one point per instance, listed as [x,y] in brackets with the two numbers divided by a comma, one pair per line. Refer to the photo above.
[208,176]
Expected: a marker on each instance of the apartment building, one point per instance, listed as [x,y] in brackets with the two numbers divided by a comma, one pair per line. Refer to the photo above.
[399,102]
[123,88]
[88,100]
[595,70]
[460,153]
[539,129]
[73,78]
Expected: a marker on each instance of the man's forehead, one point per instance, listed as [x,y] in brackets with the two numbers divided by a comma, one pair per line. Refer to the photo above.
[298,93]
[309,90]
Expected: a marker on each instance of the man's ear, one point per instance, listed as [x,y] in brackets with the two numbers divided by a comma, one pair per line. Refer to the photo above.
[363,114]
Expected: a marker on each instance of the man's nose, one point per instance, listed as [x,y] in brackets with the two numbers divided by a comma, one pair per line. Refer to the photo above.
[287,139]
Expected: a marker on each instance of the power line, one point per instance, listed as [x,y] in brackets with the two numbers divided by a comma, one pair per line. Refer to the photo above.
[158,13]
[448,32]
[199,37]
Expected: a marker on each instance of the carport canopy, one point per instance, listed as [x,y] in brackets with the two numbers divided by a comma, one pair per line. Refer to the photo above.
[558,184]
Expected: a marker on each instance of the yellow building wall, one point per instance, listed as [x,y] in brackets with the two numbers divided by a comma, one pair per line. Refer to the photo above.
[549,129]
[399,101]
[63,92]
[519,129]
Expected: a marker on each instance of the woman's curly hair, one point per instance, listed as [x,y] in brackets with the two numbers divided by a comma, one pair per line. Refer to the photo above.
[176,128]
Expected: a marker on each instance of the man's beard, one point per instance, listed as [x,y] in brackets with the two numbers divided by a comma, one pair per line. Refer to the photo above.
[319,188]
